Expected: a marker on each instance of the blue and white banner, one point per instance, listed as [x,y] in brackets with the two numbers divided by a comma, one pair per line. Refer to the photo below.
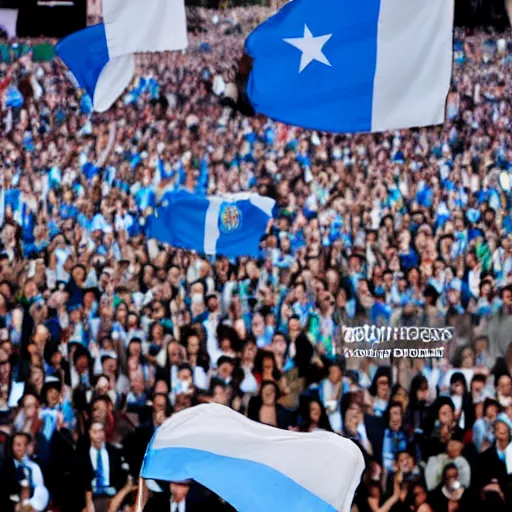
[255,467]
[231,225]
[102,57]
[352,65]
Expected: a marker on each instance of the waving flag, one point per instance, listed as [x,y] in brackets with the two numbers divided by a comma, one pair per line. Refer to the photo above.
[231,225]
[102,57]
[352,65]
[252,466]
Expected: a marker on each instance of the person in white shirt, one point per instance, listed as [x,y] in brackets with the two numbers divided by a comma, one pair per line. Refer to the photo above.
[103,471]
[26,474]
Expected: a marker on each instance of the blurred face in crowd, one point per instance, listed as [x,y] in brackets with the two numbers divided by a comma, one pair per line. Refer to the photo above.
[335,374]
[97,435]
[457,388]
[505,386]
[419,495]
[249,352]
[137,383]
[423,393]
[454,448]
[37,377]
[225,345]
[159,400]
[19,447]
[400,395]
[121,314]
[395,418]
[507,298]
[445,415]
[100,411]
[225,370]
[300,294]
[258,325]
[5,366]
[193,345]
[109,366]
[179,491]
[477,388]
[405,462]
[294,326]
[185,375]
[82,364]
[315,412]
[268,364]
[220,395]
[53,397]
[468,358]
[102,386]
[502,433]
[183,401]
[451,476]
[383,387]
[30,407]
[158,311]
[491,412]
[268,394]
[174,351]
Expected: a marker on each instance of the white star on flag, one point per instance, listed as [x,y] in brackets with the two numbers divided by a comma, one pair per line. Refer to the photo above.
[311,48]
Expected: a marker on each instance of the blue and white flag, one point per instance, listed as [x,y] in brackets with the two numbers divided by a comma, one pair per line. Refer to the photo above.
[231,225]
[352,65]
[13,97]
[252,466]
[102,57]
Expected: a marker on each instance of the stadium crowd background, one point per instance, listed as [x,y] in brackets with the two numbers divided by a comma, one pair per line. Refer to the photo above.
[103,333]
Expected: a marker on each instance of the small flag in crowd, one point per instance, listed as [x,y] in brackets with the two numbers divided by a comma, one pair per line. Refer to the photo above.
[252,466]
[231,225]
[102,57]
[353,66]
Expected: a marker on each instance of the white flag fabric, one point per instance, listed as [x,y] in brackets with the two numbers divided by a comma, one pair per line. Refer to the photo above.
[102,57]
[8,21]
[252,466]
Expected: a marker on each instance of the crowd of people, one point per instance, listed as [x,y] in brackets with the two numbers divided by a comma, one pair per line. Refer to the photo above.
[105,333]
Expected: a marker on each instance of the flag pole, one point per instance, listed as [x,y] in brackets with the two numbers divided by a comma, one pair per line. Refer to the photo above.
[142,495]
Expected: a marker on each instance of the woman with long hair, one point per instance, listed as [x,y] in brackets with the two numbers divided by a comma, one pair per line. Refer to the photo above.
[315,417]
[265,409]
[417,409]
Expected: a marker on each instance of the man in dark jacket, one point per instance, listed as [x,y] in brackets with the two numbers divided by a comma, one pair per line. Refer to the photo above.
[185,497]
[100,470]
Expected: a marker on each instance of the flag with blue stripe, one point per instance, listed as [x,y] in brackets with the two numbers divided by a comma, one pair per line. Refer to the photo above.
[255,467]
[102,57]
[13,97]
[231,225]
[352,65]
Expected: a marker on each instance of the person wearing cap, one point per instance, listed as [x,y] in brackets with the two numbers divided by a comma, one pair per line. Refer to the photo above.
[17,472]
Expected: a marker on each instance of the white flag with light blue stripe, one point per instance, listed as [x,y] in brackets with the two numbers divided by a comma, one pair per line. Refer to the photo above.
[102,57]
[255,467]
[231,224]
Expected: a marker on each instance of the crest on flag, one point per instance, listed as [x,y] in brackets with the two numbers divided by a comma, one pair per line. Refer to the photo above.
[230,218]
